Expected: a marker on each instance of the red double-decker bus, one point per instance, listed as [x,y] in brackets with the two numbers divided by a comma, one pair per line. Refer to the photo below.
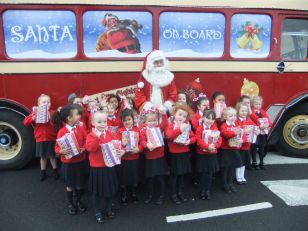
[58,47]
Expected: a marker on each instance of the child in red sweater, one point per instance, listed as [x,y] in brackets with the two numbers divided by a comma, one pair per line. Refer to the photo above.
[249,126]
[103,183]
[73,167]
[129,168]
[260,118]
[179,135]
[208,141]
[232,139]
[155,163]
[200,104]
[45,136]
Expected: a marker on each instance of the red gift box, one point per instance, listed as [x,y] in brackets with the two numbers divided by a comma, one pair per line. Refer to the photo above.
[155,137]
[69,142]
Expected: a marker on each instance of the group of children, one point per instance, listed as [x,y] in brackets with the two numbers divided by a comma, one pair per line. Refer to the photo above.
[201,143]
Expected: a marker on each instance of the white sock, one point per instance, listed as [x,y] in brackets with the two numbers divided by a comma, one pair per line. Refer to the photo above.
[238,174]
[243,173]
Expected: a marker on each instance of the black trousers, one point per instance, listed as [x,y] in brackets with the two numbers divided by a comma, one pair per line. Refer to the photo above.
[97,202]
[227,175]
[160,182]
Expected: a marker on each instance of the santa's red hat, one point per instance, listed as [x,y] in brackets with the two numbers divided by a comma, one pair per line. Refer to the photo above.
[107,17]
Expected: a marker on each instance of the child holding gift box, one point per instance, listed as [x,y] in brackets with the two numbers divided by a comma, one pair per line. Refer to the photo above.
[232,138]
[200,104]
[260,117]
[113,121]
[219,104]
[208,141]
[129,168]
[152,142]
[73,168]
[179,135]
[103,183]
[45,136]
[251,131]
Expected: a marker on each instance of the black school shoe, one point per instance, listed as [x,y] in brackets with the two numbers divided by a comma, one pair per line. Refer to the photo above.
[174,198]
[124,201]
[72,210]
[99,218]
[182,197]
[262,166]
[227,189]
[110,214]
[232,188]
[43,175]
[81,207]
[148,199]
[135,198]
[55,174]
[160,200]
[202,195]
[255,166]
[208,195]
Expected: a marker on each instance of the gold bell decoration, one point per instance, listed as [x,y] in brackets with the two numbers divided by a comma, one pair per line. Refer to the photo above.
[249,88]
[242,41]
[249,35]
[256,43]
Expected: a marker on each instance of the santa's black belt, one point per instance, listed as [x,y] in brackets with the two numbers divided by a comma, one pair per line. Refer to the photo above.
[129,48]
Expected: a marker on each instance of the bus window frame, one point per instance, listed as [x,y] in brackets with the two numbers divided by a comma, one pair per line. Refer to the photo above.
[3,52]
[202,10]
[105,8]
[283,17]
[271,52]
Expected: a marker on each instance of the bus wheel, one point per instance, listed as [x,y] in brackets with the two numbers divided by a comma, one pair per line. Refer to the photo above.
[294,137]
[16,141]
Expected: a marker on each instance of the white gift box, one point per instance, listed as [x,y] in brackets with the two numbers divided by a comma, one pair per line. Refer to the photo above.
[69,142]
[154,136]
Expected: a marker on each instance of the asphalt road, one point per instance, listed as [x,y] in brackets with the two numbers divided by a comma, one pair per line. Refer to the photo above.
[27,204]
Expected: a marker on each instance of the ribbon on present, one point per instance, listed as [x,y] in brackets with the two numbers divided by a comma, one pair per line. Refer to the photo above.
[69,142]
[210,136]
[41,114]
[251,135]
[132,140]
[235,141]
[110,153]
[155,137]
[219,108]
[264,126]
[183,138]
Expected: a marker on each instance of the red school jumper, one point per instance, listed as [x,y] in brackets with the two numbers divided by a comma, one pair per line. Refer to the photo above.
[172,132]
[254,117]
[128,155]
[195,121]
[42,132]
[202,147]
[227,134]
[243,122]
[80,134]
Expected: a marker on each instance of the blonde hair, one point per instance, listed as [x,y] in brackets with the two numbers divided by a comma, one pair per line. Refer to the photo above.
[256,98]
[97,113]
[228,110]
[239,105]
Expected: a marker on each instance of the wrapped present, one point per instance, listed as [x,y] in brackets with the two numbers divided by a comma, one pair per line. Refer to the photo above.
[132,139]
[113,129]
[110,153]
[251,135]
[155,137]
[41,114]
[235,141]
[219,108]
[264,126]
[210,136]
[69,142]
[183,137]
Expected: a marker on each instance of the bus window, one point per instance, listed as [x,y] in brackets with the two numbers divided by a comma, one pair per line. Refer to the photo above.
[117,33]
[294,39]
[183,34]
[41,34]
[250,35]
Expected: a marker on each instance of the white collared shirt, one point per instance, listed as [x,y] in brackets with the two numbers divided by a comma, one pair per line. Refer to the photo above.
[230,124]
[70,128]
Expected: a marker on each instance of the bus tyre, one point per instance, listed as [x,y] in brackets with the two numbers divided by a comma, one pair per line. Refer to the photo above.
[16,141]
[293,139]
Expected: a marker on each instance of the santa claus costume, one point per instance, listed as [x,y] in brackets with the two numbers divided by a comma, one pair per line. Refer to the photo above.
[156,86]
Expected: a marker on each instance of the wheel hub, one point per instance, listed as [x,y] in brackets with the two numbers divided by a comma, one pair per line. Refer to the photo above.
[295,132]
[5,140]
[10,141]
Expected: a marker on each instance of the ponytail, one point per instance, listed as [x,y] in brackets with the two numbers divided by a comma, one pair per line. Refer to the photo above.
[60,116]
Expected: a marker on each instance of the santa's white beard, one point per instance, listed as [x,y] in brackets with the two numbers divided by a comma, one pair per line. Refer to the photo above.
[158,76]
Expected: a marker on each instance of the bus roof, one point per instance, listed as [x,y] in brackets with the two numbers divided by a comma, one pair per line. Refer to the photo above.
[261,4]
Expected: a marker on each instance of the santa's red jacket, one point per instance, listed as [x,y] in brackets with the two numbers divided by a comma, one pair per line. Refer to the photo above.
[169,93]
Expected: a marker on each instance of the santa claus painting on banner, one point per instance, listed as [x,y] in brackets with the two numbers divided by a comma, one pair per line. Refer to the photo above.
[156,86]
[119,35]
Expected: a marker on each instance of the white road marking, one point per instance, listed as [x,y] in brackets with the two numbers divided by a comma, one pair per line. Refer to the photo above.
[292,192]
[219,212]
[274,158]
